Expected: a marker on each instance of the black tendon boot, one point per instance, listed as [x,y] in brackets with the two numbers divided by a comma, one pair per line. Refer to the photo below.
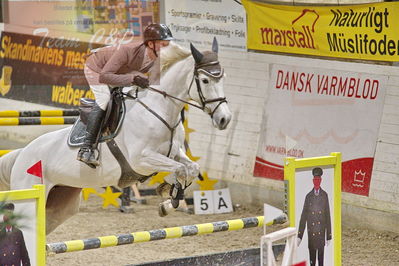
[86,153]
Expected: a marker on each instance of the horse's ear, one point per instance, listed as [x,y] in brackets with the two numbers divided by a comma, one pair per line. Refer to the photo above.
[215,46]
[196,54]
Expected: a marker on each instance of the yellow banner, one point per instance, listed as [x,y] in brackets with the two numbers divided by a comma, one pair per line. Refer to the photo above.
[367,32]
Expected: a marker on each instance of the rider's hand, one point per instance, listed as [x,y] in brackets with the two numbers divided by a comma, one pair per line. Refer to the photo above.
[140,81]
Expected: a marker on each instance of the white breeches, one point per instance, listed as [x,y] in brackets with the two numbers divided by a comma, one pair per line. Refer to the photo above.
[101,91]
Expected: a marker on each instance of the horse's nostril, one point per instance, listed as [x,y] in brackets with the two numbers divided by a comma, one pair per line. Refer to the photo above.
[222,121]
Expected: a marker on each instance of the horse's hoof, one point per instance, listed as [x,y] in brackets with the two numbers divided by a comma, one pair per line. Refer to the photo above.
[126,209]
[163,190]
[165,208]
[161,210]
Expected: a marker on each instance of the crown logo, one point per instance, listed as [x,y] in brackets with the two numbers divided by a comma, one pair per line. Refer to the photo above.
[359,178]
[5,81]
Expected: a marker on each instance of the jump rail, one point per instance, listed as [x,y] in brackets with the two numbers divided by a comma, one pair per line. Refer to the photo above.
[158,234]
[2,152]
[37,121]
[38,113]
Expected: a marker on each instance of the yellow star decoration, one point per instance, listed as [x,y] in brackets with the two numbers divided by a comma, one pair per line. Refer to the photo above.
[191,156]
[87,191]
[110,197]
[187,130]
[207,183]
[158,178]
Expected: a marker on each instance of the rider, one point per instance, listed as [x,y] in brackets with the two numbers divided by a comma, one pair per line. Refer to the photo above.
[114,66]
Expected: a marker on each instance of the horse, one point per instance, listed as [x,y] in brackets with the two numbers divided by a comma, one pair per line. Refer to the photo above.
[149,138]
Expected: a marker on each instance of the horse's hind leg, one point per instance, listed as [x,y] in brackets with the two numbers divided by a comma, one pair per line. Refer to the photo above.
[6,164]
[62,203]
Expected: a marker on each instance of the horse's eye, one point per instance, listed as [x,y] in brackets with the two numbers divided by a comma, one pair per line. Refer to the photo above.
[205,81]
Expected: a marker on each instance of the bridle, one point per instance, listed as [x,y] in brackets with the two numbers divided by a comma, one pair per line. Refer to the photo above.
[217,74]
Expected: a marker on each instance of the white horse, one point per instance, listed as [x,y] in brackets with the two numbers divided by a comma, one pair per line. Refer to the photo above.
[144,140]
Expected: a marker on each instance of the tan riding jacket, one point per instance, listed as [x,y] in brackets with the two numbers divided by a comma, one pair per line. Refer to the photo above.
[118,65]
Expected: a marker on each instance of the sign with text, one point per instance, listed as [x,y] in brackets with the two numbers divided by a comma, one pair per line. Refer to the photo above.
[198,21]
[212,201]
[93,18]
[34,70]
[367,32]
[45,44]
[313,111]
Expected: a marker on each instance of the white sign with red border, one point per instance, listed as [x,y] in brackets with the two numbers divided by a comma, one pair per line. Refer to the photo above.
[314,111]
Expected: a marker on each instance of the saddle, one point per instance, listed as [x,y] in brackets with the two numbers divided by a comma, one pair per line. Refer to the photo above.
[112,122]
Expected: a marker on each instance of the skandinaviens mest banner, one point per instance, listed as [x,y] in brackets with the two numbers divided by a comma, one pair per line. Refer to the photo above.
[367,32]
[43,70]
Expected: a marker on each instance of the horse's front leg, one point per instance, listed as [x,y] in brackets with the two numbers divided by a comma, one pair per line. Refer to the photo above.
[156,162]
[193,168]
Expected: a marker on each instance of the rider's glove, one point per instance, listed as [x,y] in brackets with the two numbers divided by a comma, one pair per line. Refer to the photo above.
[141,81]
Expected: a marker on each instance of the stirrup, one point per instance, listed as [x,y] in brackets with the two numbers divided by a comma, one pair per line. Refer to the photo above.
[87,155]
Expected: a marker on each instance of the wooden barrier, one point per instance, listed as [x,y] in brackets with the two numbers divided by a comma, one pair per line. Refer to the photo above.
[39,117]
[158,234]
[39,113]
[2,152]
[23,121]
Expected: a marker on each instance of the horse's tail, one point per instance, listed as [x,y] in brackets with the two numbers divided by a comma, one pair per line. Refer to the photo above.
[6,164]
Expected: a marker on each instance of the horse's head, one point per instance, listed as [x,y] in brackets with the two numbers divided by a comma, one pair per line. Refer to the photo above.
[208,76]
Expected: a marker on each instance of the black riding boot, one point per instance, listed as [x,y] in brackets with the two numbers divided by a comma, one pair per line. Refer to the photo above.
[87,151]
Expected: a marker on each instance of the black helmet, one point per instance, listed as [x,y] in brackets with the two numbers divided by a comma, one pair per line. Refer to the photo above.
[154,32]
[317,171]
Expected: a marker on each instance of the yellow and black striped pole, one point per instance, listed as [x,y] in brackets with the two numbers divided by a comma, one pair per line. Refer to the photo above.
[22,121]
[39,113]
[2,152]
[158,234]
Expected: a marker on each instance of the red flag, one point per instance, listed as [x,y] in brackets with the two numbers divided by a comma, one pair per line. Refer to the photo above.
[36,169]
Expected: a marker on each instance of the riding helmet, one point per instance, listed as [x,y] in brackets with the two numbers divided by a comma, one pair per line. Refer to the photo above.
[155,31]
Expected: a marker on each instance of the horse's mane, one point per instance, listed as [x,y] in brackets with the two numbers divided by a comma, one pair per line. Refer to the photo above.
[171,54]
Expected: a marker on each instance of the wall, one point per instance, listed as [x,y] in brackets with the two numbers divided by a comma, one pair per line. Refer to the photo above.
[230,155]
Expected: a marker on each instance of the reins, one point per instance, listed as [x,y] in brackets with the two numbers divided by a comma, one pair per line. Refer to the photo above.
[165,94]
[204,101]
